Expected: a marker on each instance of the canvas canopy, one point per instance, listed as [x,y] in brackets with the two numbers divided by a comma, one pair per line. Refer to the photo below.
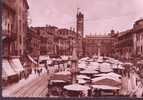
[7,69]
[81,81]
[105,87]
[32,60]
[16,64]
[88,72]
[82,77]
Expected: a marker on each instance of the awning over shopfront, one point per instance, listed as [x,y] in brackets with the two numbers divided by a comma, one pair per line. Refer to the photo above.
[105,87]
[16,64]
[32,60]
[7,69]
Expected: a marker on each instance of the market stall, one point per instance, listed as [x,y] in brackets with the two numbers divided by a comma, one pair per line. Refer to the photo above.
[105,90]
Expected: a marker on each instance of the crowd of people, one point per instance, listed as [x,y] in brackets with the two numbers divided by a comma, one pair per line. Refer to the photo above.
[132,81]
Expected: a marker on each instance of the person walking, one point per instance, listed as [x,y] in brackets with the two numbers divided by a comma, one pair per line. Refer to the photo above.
[46,67]
[35,70]
[124,87]
[38,70]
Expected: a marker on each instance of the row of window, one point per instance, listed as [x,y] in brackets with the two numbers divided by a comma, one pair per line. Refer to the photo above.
[140,37]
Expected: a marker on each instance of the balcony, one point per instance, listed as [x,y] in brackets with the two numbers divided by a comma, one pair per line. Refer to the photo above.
[9,36]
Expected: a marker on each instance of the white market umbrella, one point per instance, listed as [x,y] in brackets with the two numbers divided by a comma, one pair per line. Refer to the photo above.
[83,66]
[106,67]
[88,72]
[106,77]
[76,87]
[92,67]
[106,80]
[82,77]
[81,81]
[112,74]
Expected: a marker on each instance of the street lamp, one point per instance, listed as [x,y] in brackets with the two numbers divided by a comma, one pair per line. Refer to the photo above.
[74,63]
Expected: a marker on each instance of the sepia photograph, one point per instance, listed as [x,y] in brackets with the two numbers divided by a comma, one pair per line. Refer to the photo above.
[72,48]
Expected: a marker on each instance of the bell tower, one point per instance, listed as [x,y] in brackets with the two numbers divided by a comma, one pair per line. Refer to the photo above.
[80,32]
[80,23]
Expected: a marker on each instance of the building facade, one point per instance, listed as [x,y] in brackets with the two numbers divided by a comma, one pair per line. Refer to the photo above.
[46,37]
[64,41]
[47,41]
[14,26]
[125,44]
[98,45]
[138,37]
[8,27]
[21,25]
[32,42]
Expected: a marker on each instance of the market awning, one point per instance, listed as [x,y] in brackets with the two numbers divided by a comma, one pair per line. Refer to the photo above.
[82,77]
[4,75]
[7,69]
[105,87]
[16,64]
[88,72]
[81,81]
[106,80]
[32,60]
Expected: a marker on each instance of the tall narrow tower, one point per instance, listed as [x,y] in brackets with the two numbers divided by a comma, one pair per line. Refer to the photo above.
[80,23]
[80,32]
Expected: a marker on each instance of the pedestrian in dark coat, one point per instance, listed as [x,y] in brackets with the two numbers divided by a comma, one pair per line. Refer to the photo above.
[46,67]
[38,72]
[35,71]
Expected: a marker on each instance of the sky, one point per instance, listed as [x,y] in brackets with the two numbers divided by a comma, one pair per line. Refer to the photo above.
[100,16]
